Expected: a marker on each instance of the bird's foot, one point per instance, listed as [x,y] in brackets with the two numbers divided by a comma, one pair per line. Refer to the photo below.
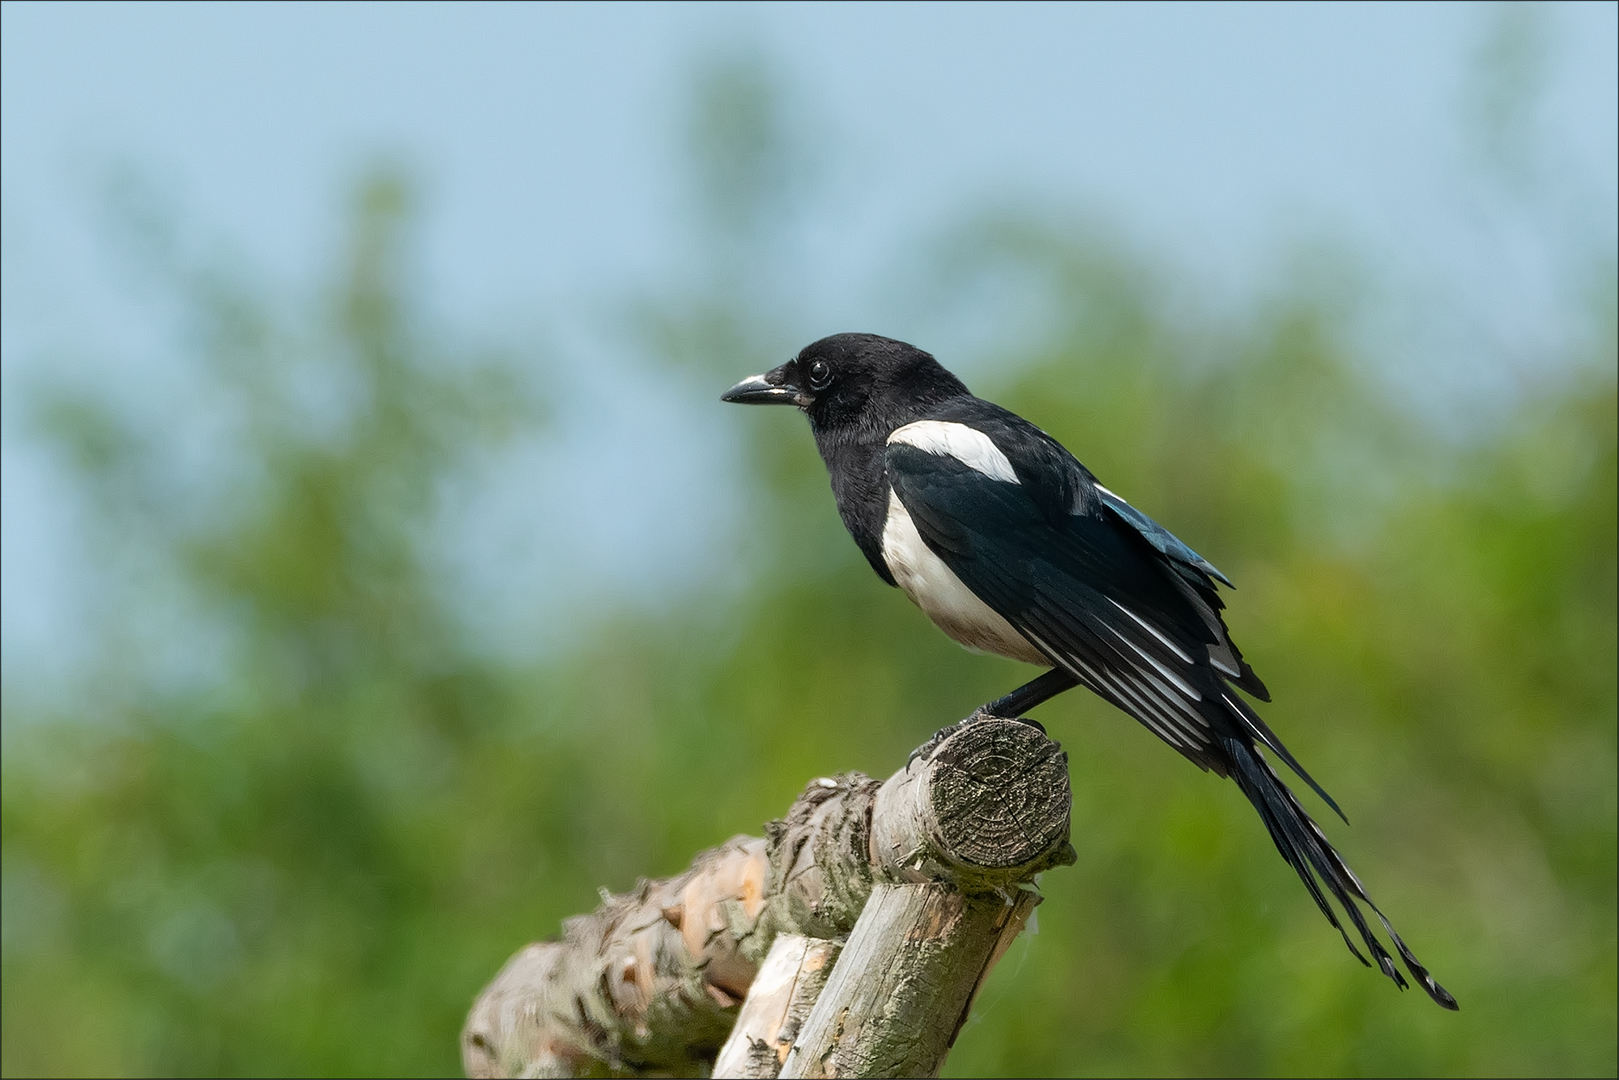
[925,751]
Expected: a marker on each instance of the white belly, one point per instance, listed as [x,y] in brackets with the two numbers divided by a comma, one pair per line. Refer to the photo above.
[934,588]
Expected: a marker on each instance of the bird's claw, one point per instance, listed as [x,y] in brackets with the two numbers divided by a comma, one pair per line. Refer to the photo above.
[925,751]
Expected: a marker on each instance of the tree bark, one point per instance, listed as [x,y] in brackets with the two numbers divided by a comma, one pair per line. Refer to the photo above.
[650,982]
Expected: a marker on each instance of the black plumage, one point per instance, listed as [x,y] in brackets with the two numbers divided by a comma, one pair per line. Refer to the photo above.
[1011,546]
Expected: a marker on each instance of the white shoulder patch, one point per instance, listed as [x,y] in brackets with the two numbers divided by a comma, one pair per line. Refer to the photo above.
[970,447]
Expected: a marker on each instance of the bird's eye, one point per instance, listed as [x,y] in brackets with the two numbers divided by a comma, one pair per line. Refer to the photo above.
[820,373]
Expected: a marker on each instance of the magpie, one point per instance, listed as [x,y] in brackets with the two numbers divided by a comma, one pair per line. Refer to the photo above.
[1012,547]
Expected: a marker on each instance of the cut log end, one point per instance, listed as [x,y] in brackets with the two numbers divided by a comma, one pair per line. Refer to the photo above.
[1000,795]
[987,809]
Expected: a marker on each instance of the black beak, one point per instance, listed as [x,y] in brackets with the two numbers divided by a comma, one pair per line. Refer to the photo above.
[772,388]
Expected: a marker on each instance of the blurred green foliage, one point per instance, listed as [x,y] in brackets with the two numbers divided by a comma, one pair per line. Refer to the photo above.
[311,863]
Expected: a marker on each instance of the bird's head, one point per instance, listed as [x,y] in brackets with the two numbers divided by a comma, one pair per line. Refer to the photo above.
[850,382]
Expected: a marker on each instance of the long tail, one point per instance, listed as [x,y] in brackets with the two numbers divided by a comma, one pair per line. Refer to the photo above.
[1306,849]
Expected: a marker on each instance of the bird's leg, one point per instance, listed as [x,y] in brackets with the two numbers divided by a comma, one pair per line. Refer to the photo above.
[1032,693]
[1011,707]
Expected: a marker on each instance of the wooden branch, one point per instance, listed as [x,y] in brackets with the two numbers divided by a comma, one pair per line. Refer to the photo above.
[902,988]
[783,993]
[956,835]
[651,980]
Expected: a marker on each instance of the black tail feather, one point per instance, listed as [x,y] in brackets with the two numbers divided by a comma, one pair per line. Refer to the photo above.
[1306,848]
[1261,731]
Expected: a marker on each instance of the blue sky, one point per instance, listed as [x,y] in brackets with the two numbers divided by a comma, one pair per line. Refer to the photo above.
[547,139]
[545,131]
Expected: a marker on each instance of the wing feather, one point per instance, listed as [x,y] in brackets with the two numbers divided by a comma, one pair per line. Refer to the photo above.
[1095,596]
